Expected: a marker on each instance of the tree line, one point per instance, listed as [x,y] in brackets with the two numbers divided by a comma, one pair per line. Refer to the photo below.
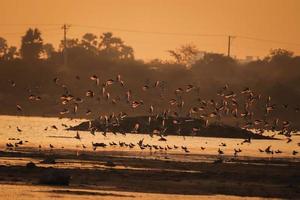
[36,63]
[33,47]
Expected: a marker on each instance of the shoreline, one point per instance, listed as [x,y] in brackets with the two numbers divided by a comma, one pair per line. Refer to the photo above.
[244,177]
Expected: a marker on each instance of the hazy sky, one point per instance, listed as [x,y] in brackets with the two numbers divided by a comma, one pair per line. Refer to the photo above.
[275,20]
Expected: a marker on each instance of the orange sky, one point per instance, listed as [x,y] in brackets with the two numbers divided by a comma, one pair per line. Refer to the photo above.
[276,20]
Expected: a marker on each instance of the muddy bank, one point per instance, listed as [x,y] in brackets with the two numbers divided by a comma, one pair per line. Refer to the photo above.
[240,178]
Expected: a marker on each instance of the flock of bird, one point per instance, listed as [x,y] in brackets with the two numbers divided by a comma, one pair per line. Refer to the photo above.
[240,106]
[141,145]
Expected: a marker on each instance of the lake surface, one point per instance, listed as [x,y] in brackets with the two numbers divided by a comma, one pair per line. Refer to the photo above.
[33,131]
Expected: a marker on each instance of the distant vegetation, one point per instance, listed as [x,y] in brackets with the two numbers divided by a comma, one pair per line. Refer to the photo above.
[33,67]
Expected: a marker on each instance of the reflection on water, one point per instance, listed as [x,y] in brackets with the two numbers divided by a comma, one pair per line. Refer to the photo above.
[33,130]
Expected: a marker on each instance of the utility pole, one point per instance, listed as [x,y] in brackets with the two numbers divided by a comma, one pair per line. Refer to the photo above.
[229,43]
[65,27]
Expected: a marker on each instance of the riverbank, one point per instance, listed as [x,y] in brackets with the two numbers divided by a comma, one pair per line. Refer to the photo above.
[117,174]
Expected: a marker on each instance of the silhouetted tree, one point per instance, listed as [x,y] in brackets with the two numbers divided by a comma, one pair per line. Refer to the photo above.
[126,52]
[71,43]
[77,52]
[279,56]
[11,53]
[6,52]
[114,48]
[185,55]
[48,50]
[3,48]
[216,59]
[89,42]
[32,45]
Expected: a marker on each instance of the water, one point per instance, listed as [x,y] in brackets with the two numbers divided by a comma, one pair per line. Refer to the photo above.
[33,131]
[37,192]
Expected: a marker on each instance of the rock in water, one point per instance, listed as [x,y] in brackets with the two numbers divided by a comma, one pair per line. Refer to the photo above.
[110,164]
[218,161]
[48,160]
[30,165]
